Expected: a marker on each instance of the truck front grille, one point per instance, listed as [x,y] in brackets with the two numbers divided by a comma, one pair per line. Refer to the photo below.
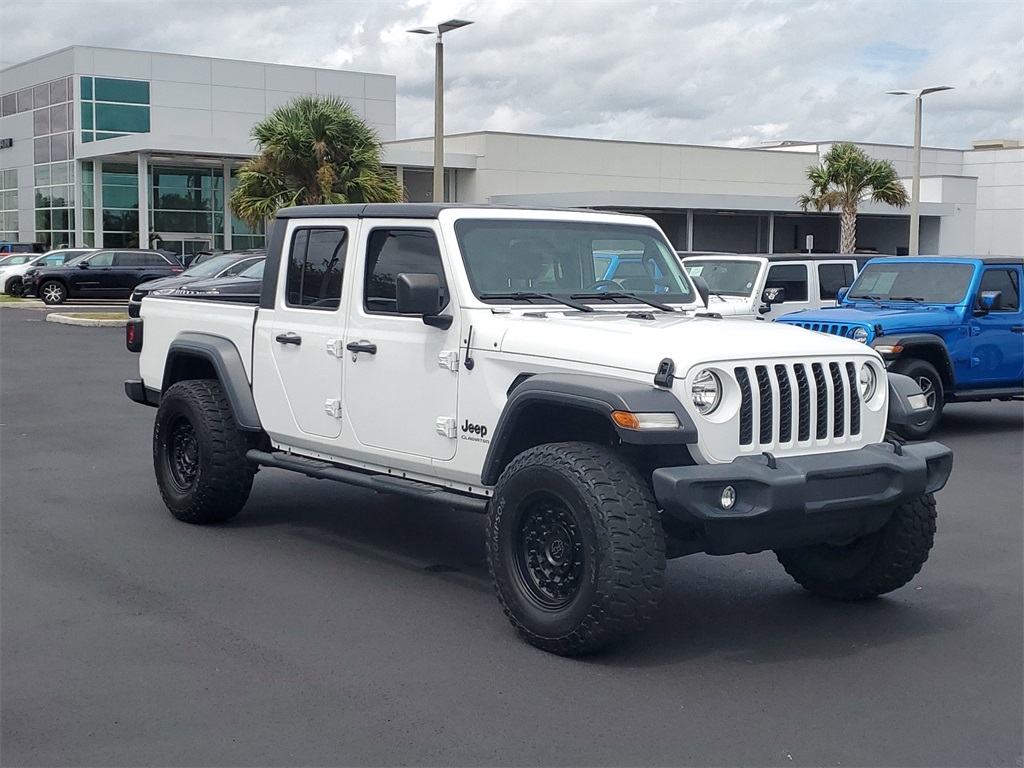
[835,329]
[774,398]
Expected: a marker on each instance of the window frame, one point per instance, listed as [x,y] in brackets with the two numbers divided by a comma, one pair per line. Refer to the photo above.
[1014,278]
[807,280]
[346,242]
[401,228]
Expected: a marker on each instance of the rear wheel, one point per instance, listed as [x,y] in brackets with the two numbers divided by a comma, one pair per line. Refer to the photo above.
[575,547]
[199,453]
[53,292]
[13,287]
[928,379]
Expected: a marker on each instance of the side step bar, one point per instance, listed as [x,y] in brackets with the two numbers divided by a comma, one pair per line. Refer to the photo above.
[323,470]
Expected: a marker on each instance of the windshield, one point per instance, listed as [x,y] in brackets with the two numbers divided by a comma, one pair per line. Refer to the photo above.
[919,282]
[725,277]
[210,267]
[570,260]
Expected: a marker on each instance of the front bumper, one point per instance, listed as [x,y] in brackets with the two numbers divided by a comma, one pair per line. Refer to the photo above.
[800,500]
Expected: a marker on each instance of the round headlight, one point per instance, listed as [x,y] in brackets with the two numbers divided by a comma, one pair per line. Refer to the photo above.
[860,335]
[706,392]
[868,382]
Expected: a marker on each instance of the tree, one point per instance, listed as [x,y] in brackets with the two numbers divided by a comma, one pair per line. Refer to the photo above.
[845,178]
[313,150]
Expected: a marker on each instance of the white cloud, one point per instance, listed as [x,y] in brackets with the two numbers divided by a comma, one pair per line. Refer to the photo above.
[729,73]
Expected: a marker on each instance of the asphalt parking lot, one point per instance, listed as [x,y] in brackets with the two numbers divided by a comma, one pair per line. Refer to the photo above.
[330,626]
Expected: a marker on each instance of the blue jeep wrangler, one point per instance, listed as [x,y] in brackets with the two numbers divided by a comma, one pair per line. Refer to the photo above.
[953,324]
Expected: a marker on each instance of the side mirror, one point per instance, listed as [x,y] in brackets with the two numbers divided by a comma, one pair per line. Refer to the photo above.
[841,294]
[421,294]
[989,301]
[83,265]
[703,289]
[772,296]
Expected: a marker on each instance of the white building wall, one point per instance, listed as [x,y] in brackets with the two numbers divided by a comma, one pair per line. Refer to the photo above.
[1000,217]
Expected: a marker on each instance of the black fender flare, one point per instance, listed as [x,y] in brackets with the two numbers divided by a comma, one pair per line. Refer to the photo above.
[597,394]
[901,411]
[226,360]
[915,342]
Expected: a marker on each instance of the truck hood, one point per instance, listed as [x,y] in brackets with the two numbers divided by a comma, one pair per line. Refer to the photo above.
[614,340]
[891,319]
[730,305]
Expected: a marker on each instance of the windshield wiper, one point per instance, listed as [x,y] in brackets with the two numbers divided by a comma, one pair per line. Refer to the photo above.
[915,299]
[528,295]
[623,295]
[868,296]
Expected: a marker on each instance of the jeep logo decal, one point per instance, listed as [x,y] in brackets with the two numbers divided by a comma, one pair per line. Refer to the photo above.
[474,432]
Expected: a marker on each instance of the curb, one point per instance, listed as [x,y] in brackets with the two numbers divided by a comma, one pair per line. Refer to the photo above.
[89,321]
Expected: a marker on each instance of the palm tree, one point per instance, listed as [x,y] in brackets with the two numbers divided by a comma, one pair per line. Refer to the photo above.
[845,178]
[314,149]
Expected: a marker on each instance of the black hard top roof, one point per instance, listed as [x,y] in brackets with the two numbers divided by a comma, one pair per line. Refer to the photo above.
[784,256]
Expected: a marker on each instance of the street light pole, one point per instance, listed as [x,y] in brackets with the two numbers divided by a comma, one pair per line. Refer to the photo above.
[446,26]
[915,189]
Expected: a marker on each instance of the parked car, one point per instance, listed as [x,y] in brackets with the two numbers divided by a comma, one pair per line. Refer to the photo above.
[244,287]
[109,274]
[12,273]
[763,286]
[22,247]
[221,265]
[953,324]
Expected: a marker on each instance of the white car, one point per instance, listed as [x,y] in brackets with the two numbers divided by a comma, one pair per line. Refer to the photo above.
[12,274]
[761,286]
[479,357]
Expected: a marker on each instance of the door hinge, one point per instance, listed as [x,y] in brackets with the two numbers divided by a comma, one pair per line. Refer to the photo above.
[448,359]
[446,426]
[336,347]
[333,408]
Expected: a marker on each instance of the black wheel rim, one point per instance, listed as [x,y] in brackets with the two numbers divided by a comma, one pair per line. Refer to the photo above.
[182,453]
[549,552]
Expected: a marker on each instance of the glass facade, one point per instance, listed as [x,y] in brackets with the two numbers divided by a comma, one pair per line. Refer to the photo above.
[242,235]
[9,204]
[113,107]
[120,183]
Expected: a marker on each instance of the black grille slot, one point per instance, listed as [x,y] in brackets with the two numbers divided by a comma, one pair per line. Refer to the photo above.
[785,404]
[746,407]
[838,399]
[851,375]
[821,390]
[803,394]
[764,388]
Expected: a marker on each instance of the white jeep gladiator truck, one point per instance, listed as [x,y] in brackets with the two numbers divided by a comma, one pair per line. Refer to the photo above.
[474,356]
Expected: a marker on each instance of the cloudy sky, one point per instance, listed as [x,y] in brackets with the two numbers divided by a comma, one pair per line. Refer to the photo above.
[720,72]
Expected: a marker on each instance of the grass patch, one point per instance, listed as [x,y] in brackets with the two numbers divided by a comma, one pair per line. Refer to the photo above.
[5,299]
[98,315]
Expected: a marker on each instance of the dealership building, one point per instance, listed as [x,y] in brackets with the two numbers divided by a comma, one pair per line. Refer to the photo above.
[108,147]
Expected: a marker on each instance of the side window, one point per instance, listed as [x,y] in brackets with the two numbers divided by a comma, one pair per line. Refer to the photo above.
[389,253]
[792,277]
[127,259]
[55,261]
[238,266]
[832,277]
[1007,281]
[316,264]
[152,260]
[103,259]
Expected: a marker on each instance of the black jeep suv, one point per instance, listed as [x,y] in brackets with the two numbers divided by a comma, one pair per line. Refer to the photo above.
[105,274]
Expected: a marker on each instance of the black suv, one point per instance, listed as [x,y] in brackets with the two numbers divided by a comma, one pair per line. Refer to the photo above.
[107,274]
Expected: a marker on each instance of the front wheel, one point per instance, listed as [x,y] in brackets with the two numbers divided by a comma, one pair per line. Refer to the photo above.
[199,453]
[575,547]
[13,287]
[871,565]
[928,379]
[53,292]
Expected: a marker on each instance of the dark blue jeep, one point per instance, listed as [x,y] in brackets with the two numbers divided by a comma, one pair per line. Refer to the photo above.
[954,324]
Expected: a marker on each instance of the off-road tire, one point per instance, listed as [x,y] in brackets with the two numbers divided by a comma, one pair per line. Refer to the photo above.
[612,531]
[53,292]
[199,453]
[871,565]
[924,373]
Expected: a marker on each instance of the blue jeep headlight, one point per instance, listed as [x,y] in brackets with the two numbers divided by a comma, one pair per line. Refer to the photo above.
[861,335]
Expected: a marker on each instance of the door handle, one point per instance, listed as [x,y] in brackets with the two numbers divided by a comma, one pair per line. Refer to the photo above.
[1017,329]
[289,338]
[362,346]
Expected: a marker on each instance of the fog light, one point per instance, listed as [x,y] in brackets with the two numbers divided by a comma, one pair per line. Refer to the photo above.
[728,497]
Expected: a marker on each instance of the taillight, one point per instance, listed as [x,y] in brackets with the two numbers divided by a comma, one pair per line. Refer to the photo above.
[133,334]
